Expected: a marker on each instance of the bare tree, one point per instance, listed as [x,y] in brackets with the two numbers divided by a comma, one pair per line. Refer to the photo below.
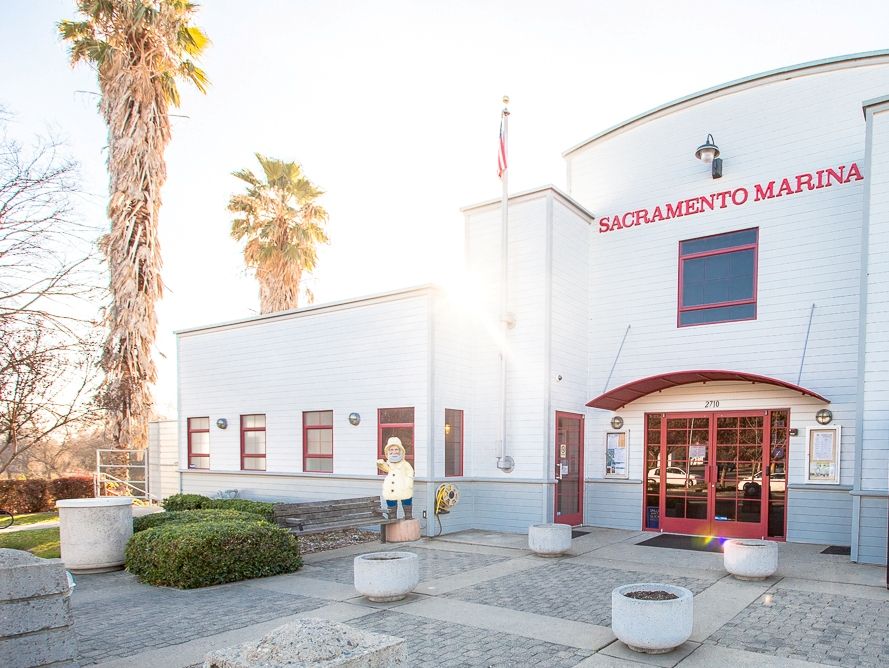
[49,287]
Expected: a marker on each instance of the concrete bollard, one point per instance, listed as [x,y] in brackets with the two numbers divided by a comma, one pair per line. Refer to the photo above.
[549,540]
[94,532]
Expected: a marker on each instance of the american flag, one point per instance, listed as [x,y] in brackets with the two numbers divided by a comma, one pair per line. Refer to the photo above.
[501,155]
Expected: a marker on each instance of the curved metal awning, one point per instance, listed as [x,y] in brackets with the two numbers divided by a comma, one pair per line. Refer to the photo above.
[621,396]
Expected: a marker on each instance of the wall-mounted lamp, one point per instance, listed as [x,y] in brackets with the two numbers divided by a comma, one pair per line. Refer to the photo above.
[823,416]
[222,423]
[447,428]
[708,153]
[617,422]
[354,419]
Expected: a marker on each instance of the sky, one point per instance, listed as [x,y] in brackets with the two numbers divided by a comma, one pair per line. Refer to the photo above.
[393,109]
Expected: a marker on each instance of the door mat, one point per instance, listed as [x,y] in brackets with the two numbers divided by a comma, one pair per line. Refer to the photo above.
[838,549]
[577,533]
[677,542]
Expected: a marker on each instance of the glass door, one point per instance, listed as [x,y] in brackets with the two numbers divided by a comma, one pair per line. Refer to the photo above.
[705,473]
[569,469]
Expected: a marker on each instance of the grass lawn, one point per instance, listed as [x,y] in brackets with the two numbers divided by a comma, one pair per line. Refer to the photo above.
[40,542]
[36,518]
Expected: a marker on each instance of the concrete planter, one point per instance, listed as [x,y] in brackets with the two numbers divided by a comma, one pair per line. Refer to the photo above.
[549,540]
[386,576]
[94,532]
[652,627]
[749,559]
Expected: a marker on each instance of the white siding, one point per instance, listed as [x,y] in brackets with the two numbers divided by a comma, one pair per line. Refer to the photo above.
[359,358]
[525,394]
[163,459]
[613,504]
[872,536]
[809,243]
[819,516]
[875,454]
[570,315]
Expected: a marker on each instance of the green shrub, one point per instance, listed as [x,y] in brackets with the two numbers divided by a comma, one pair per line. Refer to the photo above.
[198,502]
[266,510]
[200,554]
[186,516]
[185,502]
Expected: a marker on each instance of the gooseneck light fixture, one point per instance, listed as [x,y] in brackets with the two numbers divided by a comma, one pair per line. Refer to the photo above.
[708,153]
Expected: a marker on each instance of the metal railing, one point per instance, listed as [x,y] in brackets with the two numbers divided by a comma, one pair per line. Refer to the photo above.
[122,473]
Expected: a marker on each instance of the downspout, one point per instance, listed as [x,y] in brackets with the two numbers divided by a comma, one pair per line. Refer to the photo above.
[179,423]
[548,427]
[862,336]
[430,409]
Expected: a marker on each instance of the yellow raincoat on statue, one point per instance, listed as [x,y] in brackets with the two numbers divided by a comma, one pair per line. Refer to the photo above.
[399,483]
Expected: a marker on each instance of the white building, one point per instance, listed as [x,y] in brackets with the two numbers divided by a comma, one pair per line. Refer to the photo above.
[695,325]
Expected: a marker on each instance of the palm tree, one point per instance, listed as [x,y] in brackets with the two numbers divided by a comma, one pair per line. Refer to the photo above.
[283,226]
[140,49]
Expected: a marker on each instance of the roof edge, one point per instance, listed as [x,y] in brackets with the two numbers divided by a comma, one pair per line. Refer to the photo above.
[714,91]
[540,190]
[390,295]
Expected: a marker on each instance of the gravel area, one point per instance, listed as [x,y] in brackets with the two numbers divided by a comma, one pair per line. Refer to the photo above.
[331,540]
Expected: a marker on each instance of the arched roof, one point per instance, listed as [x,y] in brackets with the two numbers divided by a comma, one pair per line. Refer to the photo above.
[621,396]
[812,67]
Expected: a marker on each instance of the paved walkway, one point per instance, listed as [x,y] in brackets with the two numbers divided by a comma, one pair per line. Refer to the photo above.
[485,600]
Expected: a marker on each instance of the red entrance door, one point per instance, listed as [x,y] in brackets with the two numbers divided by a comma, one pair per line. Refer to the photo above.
[706,474]
[569,469]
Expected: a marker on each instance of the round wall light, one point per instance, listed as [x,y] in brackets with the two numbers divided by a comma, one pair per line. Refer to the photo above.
[354,419]
[222,423]
[617,422]
[823,416]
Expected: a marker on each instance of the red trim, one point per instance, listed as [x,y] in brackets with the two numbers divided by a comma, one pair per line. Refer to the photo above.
[306,455]
[459,472]
[573,519]
[409,456]
[718,251]
[629,392]
[197,431]
[251,455]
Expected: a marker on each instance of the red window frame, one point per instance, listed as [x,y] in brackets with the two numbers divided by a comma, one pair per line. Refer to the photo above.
[409,456]
[306,455]
[459,442]
[754,246]
[191,431]
[244,430]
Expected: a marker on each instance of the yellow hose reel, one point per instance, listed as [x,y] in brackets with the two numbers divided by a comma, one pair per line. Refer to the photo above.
[446,497]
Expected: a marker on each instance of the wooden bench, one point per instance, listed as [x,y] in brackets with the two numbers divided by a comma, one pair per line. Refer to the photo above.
[318,516]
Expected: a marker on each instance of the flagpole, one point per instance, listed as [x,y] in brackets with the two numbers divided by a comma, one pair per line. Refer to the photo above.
[504,462]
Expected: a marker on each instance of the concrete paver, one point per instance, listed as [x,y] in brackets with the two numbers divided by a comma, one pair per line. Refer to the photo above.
[821,628]
[566,590]
[485,600]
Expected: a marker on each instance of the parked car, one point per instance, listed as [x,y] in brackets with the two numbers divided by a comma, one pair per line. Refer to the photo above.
[777,482]
[676,477]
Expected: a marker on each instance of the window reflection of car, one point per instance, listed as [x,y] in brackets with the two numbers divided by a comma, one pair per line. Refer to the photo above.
[777,482]
[676,477]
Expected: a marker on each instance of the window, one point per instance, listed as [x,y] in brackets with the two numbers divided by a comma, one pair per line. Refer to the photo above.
[199,443]
[453,442]
[396,422]
[318,441]
[717,278]
[253,442]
